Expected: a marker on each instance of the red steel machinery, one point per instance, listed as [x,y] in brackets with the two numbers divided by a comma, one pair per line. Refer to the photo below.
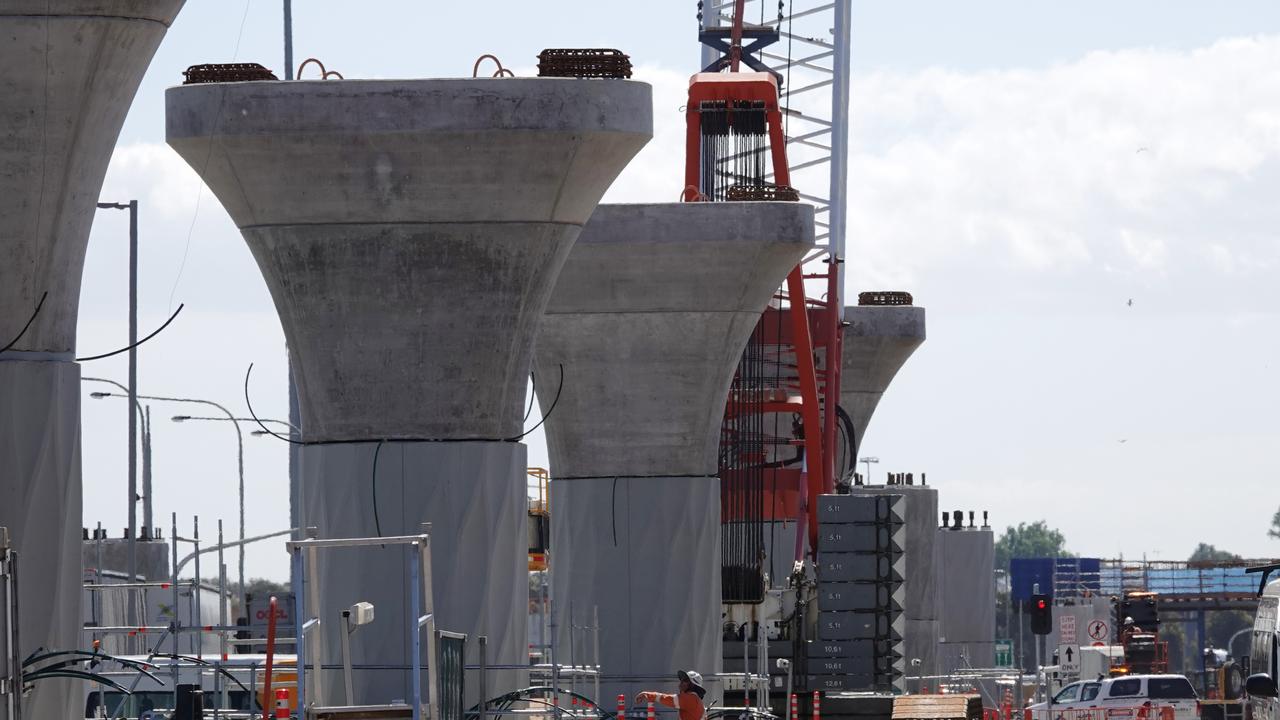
[791,367]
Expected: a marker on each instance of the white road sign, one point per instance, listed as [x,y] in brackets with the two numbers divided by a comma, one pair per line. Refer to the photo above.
[1069,659]
[1066,629]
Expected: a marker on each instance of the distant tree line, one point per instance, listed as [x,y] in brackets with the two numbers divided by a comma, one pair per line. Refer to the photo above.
[1038,540]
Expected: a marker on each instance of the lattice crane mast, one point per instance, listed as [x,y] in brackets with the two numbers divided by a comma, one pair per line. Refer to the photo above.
[733,123]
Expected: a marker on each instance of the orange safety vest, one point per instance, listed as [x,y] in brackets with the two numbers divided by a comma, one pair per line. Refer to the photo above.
[690,704]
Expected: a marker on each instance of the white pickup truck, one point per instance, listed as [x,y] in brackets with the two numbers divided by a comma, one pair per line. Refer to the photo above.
[1128,697]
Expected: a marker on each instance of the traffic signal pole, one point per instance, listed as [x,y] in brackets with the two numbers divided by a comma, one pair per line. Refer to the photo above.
[1041,624]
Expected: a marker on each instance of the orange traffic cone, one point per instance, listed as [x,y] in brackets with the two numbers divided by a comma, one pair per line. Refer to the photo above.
[282,703]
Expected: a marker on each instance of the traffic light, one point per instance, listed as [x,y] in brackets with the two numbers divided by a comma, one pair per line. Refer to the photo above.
[1041,614]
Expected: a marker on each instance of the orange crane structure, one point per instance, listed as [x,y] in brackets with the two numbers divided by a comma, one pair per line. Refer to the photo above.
[734,124]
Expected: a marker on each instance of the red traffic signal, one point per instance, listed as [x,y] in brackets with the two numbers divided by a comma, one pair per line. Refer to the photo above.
[1041,615]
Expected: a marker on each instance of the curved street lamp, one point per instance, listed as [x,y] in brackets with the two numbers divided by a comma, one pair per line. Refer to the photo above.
[239,458]
[144,415]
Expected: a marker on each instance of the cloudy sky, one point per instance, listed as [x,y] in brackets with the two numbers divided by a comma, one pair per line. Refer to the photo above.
[1025,169]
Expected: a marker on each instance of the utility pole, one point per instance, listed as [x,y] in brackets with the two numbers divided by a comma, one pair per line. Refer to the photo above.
[288,39]
[132,539]
[147,521]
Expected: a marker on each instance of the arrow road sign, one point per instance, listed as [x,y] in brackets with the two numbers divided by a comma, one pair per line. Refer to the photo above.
[1069,659]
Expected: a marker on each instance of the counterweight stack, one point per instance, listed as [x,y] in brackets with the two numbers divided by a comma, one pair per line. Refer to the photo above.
[68,71]
[411,233]
[648,321]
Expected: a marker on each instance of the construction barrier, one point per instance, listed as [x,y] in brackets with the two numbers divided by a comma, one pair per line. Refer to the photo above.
[817,705]
[622,707]
[1146,711]
[282,704]
[795,708]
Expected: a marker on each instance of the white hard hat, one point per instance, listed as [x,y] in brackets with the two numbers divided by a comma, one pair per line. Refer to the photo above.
[694,679]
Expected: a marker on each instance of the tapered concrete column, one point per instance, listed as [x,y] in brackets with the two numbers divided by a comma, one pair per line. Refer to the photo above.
[878,340]
[68,72]
[411,232]
[648,320]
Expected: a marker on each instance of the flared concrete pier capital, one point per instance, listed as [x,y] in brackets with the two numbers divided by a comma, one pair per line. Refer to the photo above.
[878,341]
[410,151]
[68,71]
[410,231]
[160,11]
[649,319]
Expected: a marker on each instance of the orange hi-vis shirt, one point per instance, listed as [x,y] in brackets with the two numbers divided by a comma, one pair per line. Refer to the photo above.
[690,704]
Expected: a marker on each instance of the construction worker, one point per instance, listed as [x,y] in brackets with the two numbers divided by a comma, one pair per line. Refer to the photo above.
[688,699]
[1129,627]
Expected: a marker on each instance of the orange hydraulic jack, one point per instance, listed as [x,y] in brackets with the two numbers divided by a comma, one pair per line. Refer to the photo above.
[721,91]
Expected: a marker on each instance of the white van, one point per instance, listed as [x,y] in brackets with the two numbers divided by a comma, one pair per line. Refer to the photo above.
[1122,698]
[1260,687]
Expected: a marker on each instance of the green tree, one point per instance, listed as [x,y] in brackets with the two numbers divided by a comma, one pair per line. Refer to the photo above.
[1206,553]
[260,587]
[1035,540]
[1221,625]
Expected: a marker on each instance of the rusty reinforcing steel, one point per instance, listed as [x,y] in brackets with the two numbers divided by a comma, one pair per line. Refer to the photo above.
[884,297]
[584,63]
[763,192]
[226,72]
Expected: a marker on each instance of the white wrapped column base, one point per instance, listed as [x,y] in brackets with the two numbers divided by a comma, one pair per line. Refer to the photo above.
[40,504]
[645,552]
[473,494]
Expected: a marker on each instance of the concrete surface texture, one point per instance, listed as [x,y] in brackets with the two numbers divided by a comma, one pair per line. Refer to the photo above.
[40,505]
[967,599]
[471,495]
[410,231]
[648,321]
[878,340]
[642,555]
[68,72]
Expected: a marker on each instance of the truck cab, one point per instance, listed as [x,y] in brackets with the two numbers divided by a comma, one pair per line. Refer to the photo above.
[1264,656]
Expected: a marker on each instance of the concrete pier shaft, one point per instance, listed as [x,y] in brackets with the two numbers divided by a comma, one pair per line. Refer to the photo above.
[410,233]
[648,320]
[878,341]
[68,73]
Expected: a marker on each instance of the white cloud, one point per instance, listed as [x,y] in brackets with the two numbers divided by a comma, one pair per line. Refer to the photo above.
[1130,160]
[1131,173]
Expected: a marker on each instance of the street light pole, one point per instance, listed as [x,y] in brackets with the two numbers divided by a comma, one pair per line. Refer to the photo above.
[132,207]
[145,415]
[184,418]
[239,463]
[288,39]
[146,474]
[868,461]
